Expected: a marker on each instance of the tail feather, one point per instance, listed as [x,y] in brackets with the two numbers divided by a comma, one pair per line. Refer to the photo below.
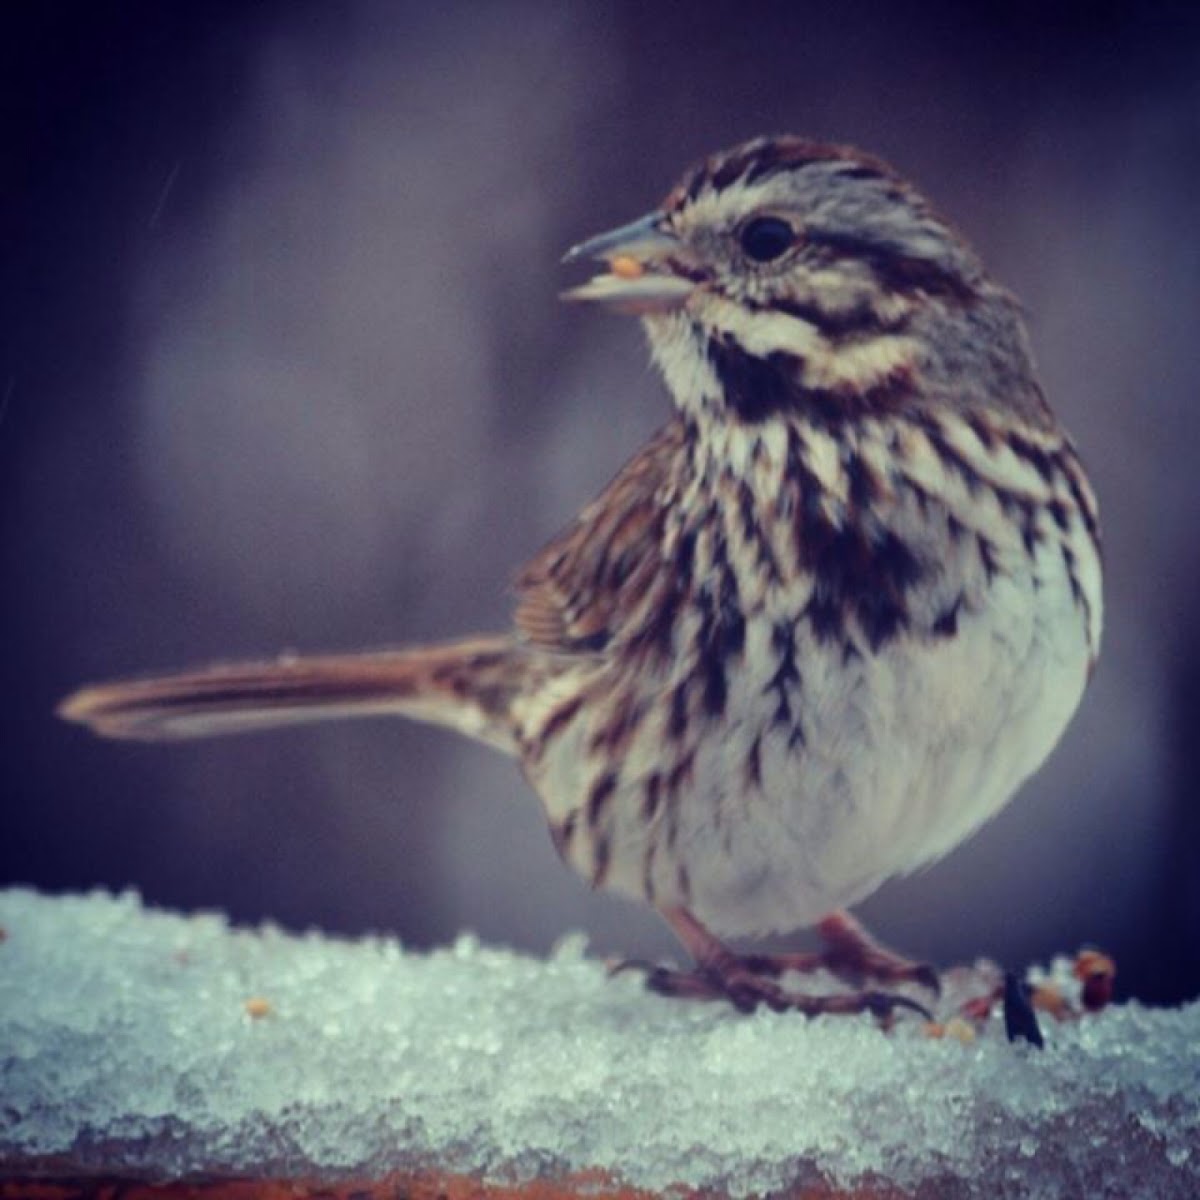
[468,686]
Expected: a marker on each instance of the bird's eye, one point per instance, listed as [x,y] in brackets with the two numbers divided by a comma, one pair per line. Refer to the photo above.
[766,238]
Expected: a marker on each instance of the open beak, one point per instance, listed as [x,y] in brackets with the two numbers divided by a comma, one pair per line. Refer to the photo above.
[641,276]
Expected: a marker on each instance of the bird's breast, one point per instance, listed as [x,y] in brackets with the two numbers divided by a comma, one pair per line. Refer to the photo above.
[868,649]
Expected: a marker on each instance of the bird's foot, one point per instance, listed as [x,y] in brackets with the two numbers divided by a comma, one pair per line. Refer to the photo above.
[731,980]
[851,954]
[748,980]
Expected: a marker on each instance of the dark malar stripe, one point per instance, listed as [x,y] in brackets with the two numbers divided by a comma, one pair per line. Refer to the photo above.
[758,387]
[755,388]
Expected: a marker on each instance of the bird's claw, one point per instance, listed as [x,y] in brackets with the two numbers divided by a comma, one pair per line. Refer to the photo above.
[746,990]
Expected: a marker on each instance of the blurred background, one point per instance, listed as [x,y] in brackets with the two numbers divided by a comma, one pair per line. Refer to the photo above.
[282,365]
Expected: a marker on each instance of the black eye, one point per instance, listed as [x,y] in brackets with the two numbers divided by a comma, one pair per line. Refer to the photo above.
[765,238]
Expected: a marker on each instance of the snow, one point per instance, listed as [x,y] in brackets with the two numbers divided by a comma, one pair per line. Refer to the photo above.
[150,1044]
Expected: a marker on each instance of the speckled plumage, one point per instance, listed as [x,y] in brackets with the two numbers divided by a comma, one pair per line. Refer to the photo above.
[824,624]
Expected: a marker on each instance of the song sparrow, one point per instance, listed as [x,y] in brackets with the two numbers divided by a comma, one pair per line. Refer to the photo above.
[817,631]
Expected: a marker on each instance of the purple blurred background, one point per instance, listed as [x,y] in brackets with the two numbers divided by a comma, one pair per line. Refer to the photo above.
[282,365]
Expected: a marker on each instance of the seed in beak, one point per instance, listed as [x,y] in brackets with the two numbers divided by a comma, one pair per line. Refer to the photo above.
[625,266]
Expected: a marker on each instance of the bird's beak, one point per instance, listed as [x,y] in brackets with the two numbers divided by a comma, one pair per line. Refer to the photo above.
[643,274]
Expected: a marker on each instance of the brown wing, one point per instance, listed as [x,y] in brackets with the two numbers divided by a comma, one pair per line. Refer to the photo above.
[578,591]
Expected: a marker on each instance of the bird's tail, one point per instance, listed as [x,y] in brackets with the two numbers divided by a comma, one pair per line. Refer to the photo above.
[468,686]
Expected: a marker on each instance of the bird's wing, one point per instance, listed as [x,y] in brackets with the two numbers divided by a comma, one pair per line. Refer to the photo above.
[583,588]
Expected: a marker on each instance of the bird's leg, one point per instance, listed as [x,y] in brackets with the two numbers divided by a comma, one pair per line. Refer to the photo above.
[720,974]
[850,953]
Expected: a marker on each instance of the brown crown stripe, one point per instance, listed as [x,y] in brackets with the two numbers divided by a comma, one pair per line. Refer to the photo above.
[763,157]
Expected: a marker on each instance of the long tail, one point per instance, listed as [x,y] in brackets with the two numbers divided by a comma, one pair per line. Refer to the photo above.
[467,685]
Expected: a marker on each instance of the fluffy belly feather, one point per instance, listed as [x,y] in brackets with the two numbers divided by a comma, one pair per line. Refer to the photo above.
[886,761]
[904,756]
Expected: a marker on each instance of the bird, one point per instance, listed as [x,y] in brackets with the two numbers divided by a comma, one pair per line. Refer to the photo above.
[820,627]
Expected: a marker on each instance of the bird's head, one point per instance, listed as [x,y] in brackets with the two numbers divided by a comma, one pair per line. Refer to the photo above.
[815,264]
